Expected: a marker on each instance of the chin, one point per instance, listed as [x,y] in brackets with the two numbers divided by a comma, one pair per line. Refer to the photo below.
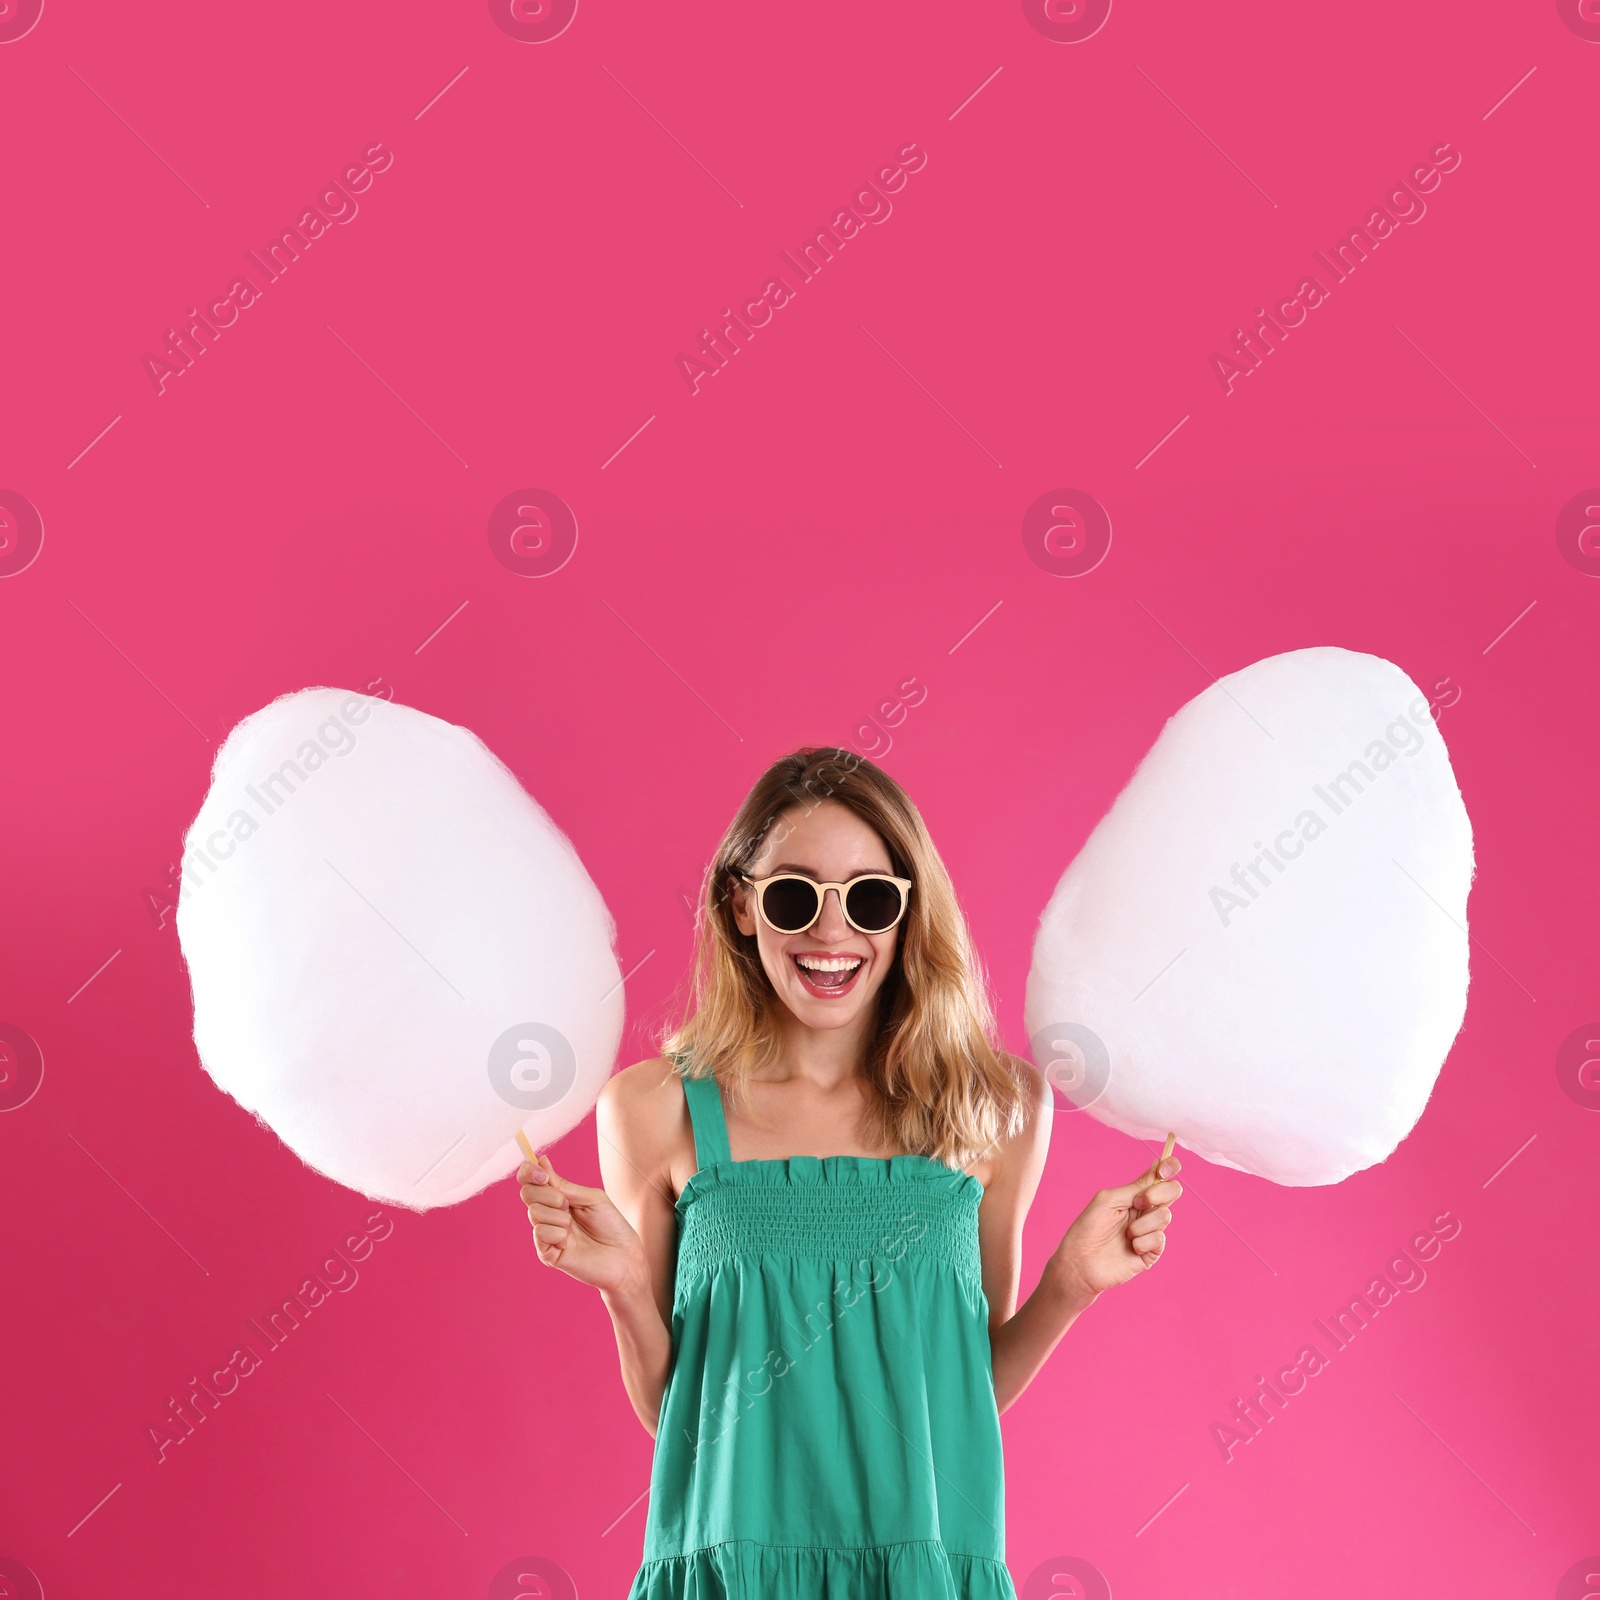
[824,1015]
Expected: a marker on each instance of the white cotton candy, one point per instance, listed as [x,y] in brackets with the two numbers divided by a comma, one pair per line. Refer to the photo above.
[1286,1019]
[398,960]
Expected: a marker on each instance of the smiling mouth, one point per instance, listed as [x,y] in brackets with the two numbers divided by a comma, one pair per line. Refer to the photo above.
[828,976]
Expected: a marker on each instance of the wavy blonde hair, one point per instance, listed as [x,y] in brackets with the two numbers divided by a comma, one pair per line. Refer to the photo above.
[938,1083]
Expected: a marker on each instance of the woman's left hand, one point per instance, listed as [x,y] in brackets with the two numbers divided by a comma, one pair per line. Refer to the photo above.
[1122,1232]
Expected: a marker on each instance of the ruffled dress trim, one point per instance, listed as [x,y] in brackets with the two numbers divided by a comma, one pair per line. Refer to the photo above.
[853,1208]
[741,1569]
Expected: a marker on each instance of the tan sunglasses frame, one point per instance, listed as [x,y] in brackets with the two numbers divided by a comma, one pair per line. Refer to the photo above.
[760,887]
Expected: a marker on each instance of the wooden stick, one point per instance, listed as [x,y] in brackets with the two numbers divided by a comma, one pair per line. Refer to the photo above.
[1172,1139]
[527,1149]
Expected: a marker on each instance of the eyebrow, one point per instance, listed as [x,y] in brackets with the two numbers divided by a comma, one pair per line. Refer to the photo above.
[808,872]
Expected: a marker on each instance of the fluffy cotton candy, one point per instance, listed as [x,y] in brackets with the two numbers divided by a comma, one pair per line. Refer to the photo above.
[1263,944]
[398,960]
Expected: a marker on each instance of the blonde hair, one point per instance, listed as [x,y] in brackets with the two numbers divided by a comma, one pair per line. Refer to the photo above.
[938,1084]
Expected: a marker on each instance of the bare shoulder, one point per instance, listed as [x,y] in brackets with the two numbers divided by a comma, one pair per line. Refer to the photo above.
[643,1082]
[643,1100]
[642,1116]
[1021,1153]
[1036,1092]
[1020,1158]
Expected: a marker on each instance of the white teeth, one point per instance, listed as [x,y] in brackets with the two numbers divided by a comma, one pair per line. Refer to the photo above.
[829,963]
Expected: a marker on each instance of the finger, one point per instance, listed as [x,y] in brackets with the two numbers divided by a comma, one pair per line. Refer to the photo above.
[1154,1221]
[1162,1194]
[1156,1175]
[1149,1247]
[543,1195]
[547,1234]
[1127,1195]
[579,1194]
[552,1215]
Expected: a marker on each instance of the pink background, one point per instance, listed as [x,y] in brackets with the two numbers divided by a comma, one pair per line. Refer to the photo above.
[761,566]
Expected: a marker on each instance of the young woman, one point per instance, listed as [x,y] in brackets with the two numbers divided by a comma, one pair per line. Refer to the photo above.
[809,1238]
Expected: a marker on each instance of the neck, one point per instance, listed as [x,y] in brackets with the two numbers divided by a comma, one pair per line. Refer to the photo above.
[825,1056]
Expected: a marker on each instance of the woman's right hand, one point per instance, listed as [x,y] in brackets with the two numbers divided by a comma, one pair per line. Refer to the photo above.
[581,1231]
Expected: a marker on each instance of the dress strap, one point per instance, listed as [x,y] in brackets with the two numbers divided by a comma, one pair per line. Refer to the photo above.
[704,1096]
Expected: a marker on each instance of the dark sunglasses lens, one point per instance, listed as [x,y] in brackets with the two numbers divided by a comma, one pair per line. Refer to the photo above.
[790,904]
[874,904]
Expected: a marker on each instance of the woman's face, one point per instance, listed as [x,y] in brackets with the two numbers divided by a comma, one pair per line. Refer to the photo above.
[828,976]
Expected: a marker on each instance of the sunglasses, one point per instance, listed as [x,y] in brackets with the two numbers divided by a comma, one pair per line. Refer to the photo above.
[873,902]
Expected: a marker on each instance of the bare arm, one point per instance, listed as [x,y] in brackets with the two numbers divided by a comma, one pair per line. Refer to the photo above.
[1019,1339]
[622,1238]
[1120,1234]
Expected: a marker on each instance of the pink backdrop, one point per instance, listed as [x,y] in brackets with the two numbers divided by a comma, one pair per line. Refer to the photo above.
[1041,309]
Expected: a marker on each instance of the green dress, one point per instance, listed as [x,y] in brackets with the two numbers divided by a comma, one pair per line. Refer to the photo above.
[829,1428]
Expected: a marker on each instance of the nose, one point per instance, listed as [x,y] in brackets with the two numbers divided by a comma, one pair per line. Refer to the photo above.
[831,927]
